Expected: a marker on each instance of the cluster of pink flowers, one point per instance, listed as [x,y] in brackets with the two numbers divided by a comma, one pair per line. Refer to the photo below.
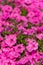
[21,32]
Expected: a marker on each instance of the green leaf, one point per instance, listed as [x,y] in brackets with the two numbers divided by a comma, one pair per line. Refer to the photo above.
[40,48]
[24,12]
[29,25]
[5,33]
[15,30]
[23,54]
[21,39]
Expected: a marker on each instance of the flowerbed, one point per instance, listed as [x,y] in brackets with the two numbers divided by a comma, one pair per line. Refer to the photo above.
[21,32]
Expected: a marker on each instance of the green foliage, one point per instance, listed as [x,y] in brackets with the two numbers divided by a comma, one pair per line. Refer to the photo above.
[23,54]
[14,30]
[40,43]
[40,48]
[24,12]
[29,25]
[21,39]
[30,36]
[5,33]
[5,2]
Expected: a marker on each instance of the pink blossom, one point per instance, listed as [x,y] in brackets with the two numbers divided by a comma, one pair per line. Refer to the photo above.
[10,40]
[40,36]
[32,45]
[19,48]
